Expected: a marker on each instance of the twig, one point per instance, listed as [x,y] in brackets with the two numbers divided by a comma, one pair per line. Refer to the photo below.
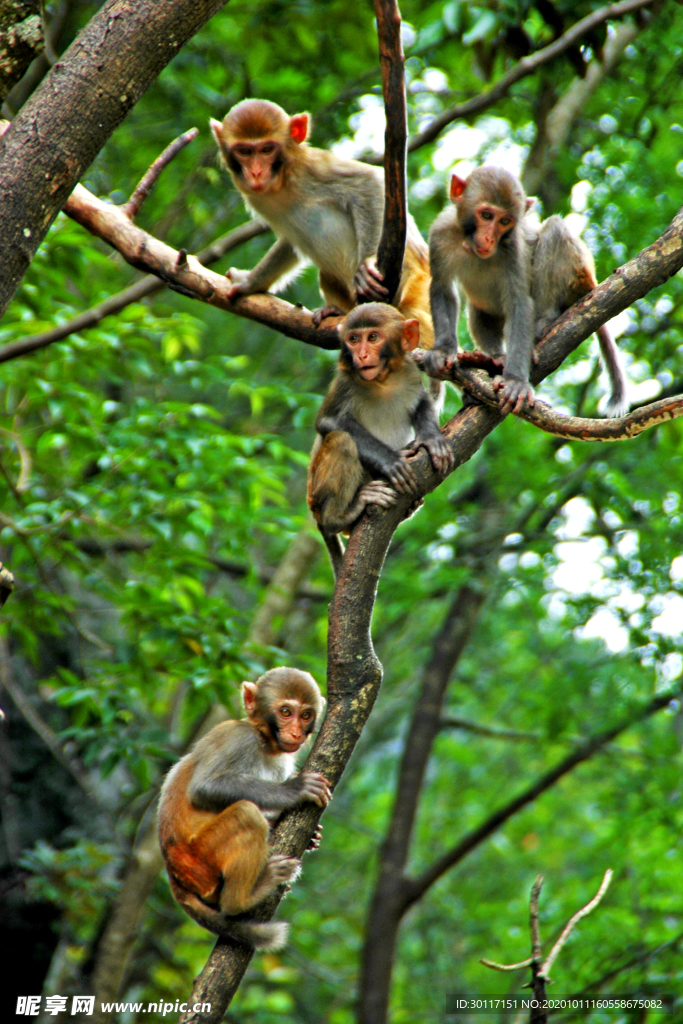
[573,921]
[505,967]
[149,178]
[526,66]
[453,722]
[533,920]
[394,229]
[146,286]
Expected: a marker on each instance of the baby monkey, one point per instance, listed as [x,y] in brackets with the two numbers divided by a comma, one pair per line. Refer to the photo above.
[518,277]
[376,412]
[218,803]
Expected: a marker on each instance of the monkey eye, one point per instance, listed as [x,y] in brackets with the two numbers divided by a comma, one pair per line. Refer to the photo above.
[352,339]
[486,215]
[285,712]
[505,221]
[268,148]
[373,336]
[306,715]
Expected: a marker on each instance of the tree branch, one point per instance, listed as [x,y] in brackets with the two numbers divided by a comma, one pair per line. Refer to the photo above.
[526,66]
[572,923]
[185,274]
[67,120]
[416,888]
[394,229]
[146,286]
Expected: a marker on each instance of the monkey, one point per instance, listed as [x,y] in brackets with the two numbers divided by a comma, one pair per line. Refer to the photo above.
[517,276]
[218,802]
[323,208]
[376,406]
[6,583]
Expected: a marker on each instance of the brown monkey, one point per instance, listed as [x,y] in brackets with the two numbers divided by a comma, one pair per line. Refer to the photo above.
[322,208]
[218,802]
[6,581]
[376,406]
[518,277]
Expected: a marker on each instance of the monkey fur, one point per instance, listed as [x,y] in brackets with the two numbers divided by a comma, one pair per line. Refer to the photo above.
[218,802]
[322,207]
[518,277]
[376,406]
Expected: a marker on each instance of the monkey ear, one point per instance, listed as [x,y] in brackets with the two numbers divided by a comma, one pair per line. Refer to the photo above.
[298,127]
[457,186]
[410,335]
[249,696]
[530,202]
[216,129]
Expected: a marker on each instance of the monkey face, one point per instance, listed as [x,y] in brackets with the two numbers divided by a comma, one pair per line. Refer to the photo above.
[366,347]
[291,723]
[257,164]
[491,223]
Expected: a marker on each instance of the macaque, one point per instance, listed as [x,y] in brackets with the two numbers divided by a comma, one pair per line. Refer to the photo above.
[322,208]
[6,584]
[376,406]
[517,276]
[218,803]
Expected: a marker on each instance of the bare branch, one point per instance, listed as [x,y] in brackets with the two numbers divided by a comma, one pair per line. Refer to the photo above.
[505,967]
[453,722]
[533,920]
[187,275]
[146,286]
[526,66]
[573,921]
[147,182]
[394,229]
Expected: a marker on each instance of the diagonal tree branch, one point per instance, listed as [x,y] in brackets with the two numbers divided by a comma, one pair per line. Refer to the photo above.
[526,66]
[85,96]
[415,888]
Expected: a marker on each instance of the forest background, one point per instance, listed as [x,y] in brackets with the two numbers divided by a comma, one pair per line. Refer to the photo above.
[152,488]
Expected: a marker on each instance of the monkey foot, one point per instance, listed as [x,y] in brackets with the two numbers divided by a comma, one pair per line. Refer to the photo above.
[513,394]
[322,314]
[478,360]
[315,840]
[378,493]
[283,869]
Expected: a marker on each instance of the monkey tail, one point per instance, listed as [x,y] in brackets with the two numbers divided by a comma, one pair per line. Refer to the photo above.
[618,404]
[269,936]
[336,551]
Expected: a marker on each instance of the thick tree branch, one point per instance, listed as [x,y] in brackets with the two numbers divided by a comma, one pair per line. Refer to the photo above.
[21,39]
[417,887]
[146,286]
[394,229]
[526,66]
[67,120]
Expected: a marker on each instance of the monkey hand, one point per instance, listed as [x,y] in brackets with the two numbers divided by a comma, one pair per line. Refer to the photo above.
[316,788]
[315,840]
[400,473]
[514,393]
[240,282]
[368,283]
[321,314]
[438,449]
[478,360]
[436,362]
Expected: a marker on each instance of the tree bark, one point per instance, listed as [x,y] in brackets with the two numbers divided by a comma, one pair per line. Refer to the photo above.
[21,39]
[68,119]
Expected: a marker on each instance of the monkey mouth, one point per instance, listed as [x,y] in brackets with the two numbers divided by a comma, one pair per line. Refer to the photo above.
[372,370]
[290,747]
[483,253]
